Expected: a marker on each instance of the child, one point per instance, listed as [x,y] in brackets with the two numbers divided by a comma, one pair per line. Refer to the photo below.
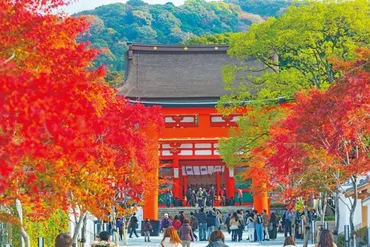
[147,229]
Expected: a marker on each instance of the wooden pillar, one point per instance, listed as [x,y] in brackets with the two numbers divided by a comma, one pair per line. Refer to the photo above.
[176,177]
[230,182]
[150,208]
[260,200]
[185,186]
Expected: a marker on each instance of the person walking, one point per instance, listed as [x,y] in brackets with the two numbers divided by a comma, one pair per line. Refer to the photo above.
[186,233]
[234,227]
[241,226]
[227,222]
[204,198]
[266,222]
[220,218]
[287,219]
[326,239]
[259,226]
[182,217]
[251,226]
[133,225]
[169,196]
[202,221]
[240,196]
[211,222]
[223,197]
[119,226]
[170,238]
[273,226]
[211,196]
[176,223]
[189,197]
[217,239]
[199,198]
[194,225]
[165,223]
[148,228]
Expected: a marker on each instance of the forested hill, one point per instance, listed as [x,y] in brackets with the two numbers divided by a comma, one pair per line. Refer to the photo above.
[136,21]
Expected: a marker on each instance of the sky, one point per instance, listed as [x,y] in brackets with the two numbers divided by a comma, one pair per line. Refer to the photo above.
[91,4]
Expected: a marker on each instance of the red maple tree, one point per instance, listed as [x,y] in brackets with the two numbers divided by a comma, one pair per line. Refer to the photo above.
[324,142]
[66,139]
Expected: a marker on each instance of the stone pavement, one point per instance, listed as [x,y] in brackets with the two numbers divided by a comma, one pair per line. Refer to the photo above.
[155,242]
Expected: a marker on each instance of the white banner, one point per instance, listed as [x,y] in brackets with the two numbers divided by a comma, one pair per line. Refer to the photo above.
[210,169]
[201,170]
[196,170]
[218,168]
[189,170]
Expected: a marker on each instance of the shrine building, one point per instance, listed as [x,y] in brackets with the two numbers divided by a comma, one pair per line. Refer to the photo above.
[186,81]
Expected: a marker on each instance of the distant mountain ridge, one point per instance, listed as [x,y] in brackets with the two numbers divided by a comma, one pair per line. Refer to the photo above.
[136,21]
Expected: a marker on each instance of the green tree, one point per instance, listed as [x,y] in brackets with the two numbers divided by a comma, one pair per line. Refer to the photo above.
[209,39]
[296,50]
[263,7]
[136,21]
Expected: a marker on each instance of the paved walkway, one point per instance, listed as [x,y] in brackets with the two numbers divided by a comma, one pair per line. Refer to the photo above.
[155,242]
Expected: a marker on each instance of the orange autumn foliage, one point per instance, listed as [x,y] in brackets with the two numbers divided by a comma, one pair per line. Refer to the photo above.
[66,139]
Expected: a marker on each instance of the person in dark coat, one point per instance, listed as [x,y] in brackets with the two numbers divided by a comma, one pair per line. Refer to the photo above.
[227,223]
[186,233]
[201,216]
[217,239]
[133,225]
[211,222]
[182,217]
[147,229]
[193,224]
[273,226]
[189,197]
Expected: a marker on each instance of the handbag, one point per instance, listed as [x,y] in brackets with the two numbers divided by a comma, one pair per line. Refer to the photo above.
[271,227]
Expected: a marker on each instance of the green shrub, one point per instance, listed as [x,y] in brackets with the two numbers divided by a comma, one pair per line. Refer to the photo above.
[327,218]
[362,236]
[340,240]
[48,229]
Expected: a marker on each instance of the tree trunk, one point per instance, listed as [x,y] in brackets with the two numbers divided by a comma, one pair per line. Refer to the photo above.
[78,225]
[83,237]
[324,208]
[321,207]
[306,230]
[337,212]
[352,212]
[125,228]
[22,231]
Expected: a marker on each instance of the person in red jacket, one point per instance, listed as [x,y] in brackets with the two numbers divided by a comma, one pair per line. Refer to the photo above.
[176,223]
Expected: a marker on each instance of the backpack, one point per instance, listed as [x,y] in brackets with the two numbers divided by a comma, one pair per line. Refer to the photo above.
[259,219]
[176,224]
[166,223]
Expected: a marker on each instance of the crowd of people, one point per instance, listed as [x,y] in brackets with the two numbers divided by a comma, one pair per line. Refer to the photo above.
[204,197]
[209,224]
[259,225]
[180,231]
